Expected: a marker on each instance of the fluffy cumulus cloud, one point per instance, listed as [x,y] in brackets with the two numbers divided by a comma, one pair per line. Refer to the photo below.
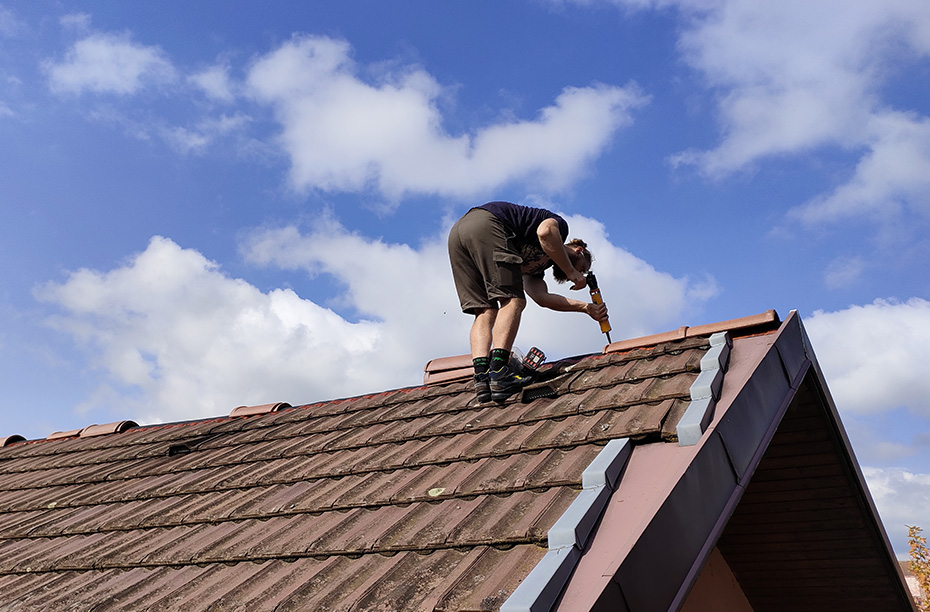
[378,282]
[345,133]
[179,339]
[109,63]
[176,338]
[875,357]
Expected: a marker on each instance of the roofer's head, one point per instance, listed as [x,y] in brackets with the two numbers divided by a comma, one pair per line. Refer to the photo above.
[580,257]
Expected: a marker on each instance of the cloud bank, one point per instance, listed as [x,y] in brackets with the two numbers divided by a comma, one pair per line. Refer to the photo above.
[173,337]
[874,357]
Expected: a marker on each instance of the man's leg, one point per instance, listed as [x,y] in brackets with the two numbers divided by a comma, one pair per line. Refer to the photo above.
[503,382]
[481,332]
[508,323]
[480,349]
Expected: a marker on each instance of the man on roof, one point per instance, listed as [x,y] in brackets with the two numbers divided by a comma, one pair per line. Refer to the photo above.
[499,252]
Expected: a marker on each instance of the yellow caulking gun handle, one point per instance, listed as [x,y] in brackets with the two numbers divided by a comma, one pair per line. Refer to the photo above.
[597,299]
[605,324]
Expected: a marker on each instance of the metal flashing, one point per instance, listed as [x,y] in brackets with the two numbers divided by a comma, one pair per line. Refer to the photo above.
[705,391]
[544,584]
[608,465]
[574,527]
[570,533]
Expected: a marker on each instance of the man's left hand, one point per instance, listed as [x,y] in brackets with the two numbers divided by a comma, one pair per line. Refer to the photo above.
[579,279]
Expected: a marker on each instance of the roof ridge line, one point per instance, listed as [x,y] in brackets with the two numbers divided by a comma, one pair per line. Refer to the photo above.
[667,348]
[477,408]
[355,447]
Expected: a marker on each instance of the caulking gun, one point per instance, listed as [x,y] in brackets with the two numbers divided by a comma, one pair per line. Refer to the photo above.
[597,299]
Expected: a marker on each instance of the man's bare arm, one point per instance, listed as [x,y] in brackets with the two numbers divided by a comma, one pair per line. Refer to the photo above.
[538,290]
[551,242]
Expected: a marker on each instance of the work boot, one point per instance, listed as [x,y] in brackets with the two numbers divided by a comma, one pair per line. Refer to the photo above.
[483,387]
[505,382]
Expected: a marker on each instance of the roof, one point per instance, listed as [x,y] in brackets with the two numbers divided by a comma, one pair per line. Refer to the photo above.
[420,499]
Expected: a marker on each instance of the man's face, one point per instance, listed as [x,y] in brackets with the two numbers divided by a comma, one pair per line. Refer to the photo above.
[578,260]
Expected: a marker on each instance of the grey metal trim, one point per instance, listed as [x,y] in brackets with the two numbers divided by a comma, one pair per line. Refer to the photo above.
[569,535]
[539,591]
[574,527]
[705,391]
[607,466]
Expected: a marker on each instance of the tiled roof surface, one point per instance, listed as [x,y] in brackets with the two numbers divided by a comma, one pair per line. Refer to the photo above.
[410,499]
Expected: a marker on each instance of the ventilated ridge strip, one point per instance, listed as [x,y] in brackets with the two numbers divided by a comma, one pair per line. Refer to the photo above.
[570,534]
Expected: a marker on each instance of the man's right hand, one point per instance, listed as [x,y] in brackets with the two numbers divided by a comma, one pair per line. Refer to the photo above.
[598,312]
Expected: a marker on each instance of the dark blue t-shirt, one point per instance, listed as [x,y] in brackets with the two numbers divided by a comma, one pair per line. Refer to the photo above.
[523,221]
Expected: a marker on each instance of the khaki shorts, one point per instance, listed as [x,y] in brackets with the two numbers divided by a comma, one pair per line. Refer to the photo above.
[485,265]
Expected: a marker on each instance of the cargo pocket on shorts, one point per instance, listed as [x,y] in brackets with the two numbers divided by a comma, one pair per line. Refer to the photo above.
[508,271]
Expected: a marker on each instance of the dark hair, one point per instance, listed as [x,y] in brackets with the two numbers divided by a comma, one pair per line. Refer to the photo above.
[584,254]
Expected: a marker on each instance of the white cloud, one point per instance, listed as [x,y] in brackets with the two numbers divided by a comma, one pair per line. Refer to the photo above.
[343,133]
[109,63]
[875,357]
[79,22]
[197,138]
[902,498]
[892,175]
[214,82]
[411,291]
[797,77]
[179,339]
[790,83]
[176,338]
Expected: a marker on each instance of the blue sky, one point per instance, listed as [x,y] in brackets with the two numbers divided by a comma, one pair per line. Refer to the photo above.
[210,204]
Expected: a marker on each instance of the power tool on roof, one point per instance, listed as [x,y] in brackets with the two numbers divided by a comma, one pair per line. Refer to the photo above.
[597,299]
